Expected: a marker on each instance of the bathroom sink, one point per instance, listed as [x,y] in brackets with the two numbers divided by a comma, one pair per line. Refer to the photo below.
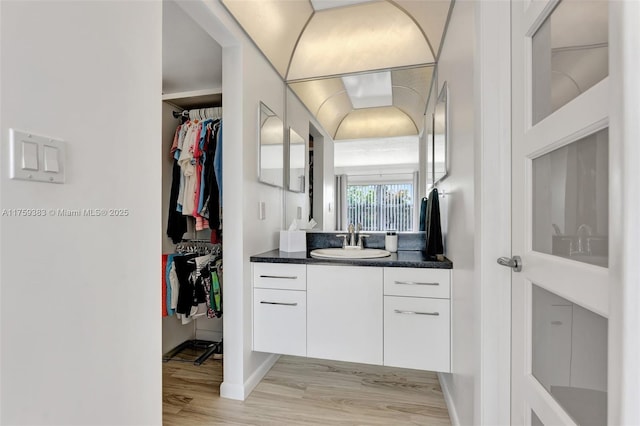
[348,253]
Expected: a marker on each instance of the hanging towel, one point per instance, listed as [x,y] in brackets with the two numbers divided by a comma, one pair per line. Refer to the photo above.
[434,231]
[423,213]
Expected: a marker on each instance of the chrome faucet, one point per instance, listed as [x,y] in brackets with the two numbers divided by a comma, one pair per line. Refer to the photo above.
[352,235]
[351,240]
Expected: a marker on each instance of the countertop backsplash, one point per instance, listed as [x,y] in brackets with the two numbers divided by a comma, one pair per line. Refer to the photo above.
[406,240]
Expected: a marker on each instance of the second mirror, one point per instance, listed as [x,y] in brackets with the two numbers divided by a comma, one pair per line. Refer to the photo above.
[297,160]
[271,147]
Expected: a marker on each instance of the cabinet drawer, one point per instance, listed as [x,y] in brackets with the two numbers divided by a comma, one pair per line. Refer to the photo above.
[280,276]
[417,282]
[280,321]
[417,333]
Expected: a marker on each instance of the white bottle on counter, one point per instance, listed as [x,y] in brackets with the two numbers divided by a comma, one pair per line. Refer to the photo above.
[391,241]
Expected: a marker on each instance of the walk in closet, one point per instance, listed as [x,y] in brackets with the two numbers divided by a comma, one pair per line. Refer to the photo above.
[192,245]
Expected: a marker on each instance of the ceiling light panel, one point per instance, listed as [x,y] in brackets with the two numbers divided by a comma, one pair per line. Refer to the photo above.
[432,17]
[364,37]
[274,25]
[376,123]
[369,90]
[333,112]
[410,91]
[330,4]
[314,93]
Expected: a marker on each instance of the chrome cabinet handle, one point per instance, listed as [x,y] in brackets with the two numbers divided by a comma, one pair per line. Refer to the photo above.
[414,283]
[284,277]
[278,303]
[434,314]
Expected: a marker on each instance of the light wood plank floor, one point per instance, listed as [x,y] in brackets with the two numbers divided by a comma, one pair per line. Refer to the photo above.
[305,391]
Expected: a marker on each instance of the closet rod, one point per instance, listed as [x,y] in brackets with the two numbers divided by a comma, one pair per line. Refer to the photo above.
[187,113]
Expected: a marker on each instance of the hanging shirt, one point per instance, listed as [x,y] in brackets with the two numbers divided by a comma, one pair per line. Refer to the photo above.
[178,154]
[187,164]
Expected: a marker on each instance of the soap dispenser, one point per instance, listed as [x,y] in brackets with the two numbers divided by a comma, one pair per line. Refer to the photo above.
[391,241]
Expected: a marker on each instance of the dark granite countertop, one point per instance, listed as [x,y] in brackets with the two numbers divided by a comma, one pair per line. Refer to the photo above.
[401,259]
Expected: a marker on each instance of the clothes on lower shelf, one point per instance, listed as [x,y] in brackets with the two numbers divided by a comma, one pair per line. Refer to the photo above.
[192,286]
[196,188]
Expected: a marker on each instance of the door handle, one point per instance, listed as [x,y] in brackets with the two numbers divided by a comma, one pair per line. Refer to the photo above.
[514,262]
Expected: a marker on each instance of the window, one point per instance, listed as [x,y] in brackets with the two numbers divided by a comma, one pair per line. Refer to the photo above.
[381,207]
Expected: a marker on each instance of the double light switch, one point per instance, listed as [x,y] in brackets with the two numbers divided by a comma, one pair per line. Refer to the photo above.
[36,158]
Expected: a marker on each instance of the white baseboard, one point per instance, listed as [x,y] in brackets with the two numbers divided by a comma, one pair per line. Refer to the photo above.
[232,391]
[448,399]
[242,391]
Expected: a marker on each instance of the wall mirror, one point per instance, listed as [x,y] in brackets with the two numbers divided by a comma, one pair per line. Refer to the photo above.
[440,137]
[271,158]
[297,157]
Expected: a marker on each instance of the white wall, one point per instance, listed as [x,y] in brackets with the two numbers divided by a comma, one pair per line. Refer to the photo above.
[79,311]
[260,83]
[456,68]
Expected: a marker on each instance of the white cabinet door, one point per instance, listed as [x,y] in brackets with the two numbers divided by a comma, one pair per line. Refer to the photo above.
[279,321]
[344,313]
[416,333]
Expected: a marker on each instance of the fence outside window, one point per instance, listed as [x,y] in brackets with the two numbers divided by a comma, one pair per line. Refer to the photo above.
[381,207]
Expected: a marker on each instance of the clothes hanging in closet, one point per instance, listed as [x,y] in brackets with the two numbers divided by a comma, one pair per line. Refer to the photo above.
[192,286]
[196,188]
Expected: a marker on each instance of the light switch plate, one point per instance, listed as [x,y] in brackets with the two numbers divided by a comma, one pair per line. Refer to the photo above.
[262,214]
[28,160]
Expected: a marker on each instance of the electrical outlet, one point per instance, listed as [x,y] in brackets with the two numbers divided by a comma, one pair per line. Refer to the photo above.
[262,214]
[299,213]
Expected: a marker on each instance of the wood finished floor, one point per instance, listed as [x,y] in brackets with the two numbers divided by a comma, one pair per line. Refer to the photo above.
[305,391]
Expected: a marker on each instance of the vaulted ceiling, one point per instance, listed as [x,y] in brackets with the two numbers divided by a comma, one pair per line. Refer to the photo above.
[362,67]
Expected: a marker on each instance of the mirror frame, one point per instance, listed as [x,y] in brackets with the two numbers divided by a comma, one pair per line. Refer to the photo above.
[300,186]
[441,103]
[264,114]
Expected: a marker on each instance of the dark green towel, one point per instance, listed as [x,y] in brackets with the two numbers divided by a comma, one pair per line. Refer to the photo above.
[434,231]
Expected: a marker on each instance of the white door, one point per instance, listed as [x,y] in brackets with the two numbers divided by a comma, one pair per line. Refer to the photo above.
[560,209]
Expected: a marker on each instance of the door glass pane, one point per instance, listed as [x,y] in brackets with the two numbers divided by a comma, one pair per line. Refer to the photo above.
[535,420]
[571,200]
[570,54]
[569,345]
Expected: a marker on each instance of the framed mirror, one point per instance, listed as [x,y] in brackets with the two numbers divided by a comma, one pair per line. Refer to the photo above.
[440,137]
[297,157]
[271,156]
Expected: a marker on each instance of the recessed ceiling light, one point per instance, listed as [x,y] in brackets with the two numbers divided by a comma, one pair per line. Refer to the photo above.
[369,90]
[330,4]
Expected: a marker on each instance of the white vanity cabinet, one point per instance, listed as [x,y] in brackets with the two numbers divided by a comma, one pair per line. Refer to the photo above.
[280,308]
[344,313]
[417,318]
[394,316]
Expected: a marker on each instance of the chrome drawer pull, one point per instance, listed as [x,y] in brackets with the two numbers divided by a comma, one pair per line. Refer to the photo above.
[284,277]
[278,303]
[398,311]
[414,283]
